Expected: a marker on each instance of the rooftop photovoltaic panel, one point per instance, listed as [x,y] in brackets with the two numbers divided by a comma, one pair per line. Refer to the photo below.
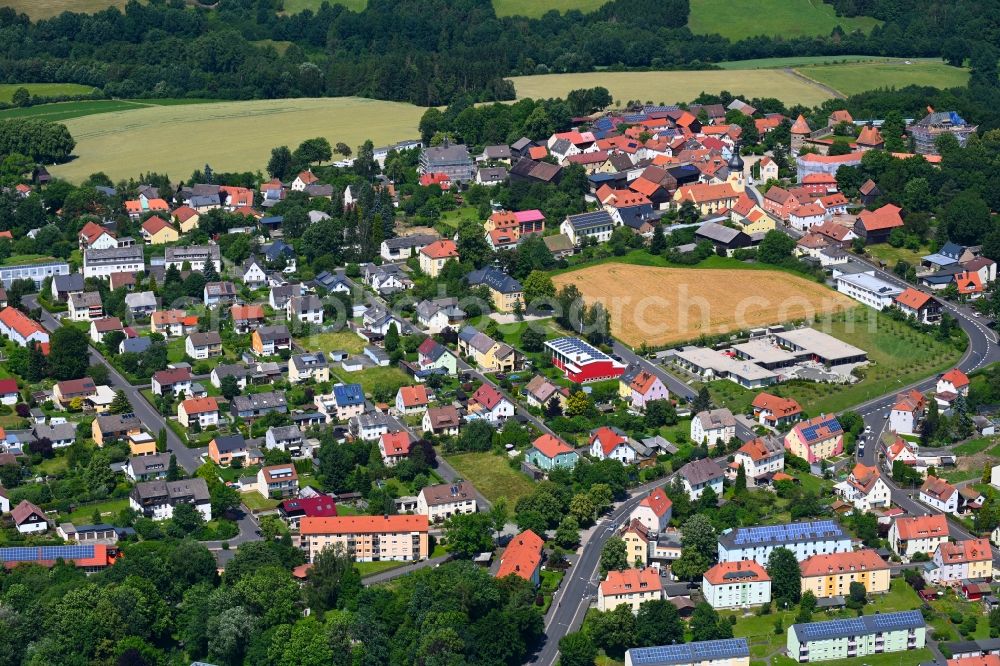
[868,624]
[787,533]
[690,653]
[44,553]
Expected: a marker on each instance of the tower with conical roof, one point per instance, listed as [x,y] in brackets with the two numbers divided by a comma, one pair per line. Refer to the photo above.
[735,166]
[800,131]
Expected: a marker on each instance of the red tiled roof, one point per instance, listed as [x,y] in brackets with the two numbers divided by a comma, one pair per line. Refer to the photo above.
[245,312]
[551,446]
[8,386]
[522,556]
[185,213]
[886,217]
[24,510]
[414,396]
[800,126]
[20,322]
[858,560]
[740,571]
[441,249]
[922,527]
[396,443]
[631,581]
[363,524]
[487,396]
[966,550]
[913,298]
[968,283]
[657,501]
[956,378]
[777,405]
[608,438]
[200,405]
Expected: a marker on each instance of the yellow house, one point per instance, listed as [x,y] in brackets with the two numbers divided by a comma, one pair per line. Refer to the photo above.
[157,231]
[636,538]
[706,198]
[504,290]
[433,257]
[485,351]
[187,218]
[757,221]
[832,575]
[141,444]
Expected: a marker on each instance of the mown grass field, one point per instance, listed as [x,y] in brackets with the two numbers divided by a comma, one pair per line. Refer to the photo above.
[674,87]
[738,19]
[38,9]
[492,476]
[59,111]
[230,136]
[43,89]
[792,61]
[851,78]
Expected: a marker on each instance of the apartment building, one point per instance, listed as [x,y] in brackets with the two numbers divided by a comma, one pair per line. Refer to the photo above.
[831,575]
[804,539]
[739,584]
[856,637]
[367,538]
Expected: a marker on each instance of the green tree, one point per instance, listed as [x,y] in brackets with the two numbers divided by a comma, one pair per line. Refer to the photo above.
[173,471]
[614,630]
[392,338]
[582,508]
[614,556]
[702,401]
[786,577]
[187,518]
[21,97]
[807,605]
[69,353]
[333,580]
[538,287]
[658,623]
[776,247]
[229,387]
[706,625]
[858,595]
[281,164]
[576,649]
[120,404]
[469,534]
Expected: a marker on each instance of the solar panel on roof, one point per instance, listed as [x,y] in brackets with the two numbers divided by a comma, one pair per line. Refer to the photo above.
[690,652]
[34,554]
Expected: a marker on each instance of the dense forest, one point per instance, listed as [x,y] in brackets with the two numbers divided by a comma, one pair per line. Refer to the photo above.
[427,52]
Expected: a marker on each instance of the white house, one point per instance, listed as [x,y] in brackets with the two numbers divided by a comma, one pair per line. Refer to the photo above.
[307,309]
[740,584]
[203,411]
[940,494]
[489,404]
[804,539]
[653,511]
[411,399]
[906,413]
[203,345]
[254,274]
[910,535]
[442,501]
[968,559]
[608,442]
[157,499]
[4,501]
[698,475]
[807,216]
[864,489]
[759,457]
[28,518]
[868,289]
[713,427]
[952,383]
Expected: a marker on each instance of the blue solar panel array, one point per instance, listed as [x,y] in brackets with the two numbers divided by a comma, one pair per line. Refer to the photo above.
[775,534]
[35,554]
[604,124]
[861,626]
[690,653]
[661,109]
[577,348]
[811,432]
[634,117]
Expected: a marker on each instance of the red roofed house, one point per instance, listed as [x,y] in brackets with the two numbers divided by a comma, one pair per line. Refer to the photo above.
[707,198]
[910,535]
[950,385]
[442,180]
[317,506]
[187,218]
[641,387]
[775,411]
[19,328]
[820,184]
[631,587]
[653,511]
[807,216]
[865,489]
[203,411]
[738,584]
[523,557]
[367,538]
[968,559]
[394,446]
[489,404]
[922,306]
[906,413]
[761,457]
[411,399]
[435,255]
[94,236]
[9,395]
[64,392]
[28,518]
[548,452]
[780,203]
[610,442]
[247,317]
[303,180]
[819,438]
[969,284]
[874,226]
[157,231]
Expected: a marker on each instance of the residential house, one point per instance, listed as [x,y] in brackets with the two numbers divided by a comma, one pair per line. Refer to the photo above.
[950,385]
[256,405]
[487,353]
[399,538]
[548,452]
[940,494]
[9,393]
[62,286]
[439,314]
[254,273]
[639,387]
[147,468]
[28,518]
[713,427]
[741,584]
[441,421]
[108,428]
[597,225]
[631,587]
[442,501]
[653,511]
[85,306]
[172,380]
[64,392]
[874,226]
[20,329]
[831,575]
[910,535]
[247,317]
[172,323]
[60,435]
[157,231]
[907,412]
[761,458]
[964,560]
[278,481]
[284,438]
[819,438]
[707,199]
[540,392]
[103,263]
[775,411]
[195,256]
[404,247]
[865,489]
[141,304]
[157,499]
[303,367]
[804,539]
[293,510]
[187,218]
[201,411]
[101,327]
[95,236]
[921,306]
[489,404]
[411,399]
[345,402]
[219,293]
[434,256]
[727,652]
[305,309]
[203,345]
[698,475]
[432,356]
[270,340]
[523,558]
[505,291]
[223,449]
[608,442]
[369,426]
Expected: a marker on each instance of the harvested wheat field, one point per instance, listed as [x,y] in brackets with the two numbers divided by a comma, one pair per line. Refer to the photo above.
[661,306]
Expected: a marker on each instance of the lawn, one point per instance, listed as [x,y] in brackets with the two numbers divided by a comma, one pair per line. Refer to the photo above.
[44,89]
[58,111]
[377,376]
[530,8]
[84,514]
[52,466]
[973,446]
[492,476]
[256,502]
[922,656]
[369,568]
[37,9]
[328,342]
[784,18]
[892,255]
[900,356]
[673,87]
[234,135]
[454,218]
[854,78]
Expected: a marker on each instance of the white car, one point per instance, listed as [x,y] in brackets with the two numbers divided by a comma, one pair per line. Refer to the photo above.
[868,429]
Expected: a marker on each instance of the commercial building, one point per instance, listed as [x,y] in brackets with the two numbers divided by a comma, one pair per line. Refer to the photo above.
[831,575]
[808,344]
[367,538]
[819,537]
[868,289]
[739,584]
[582,362]
[36,271]
[856,637]
[725,652]
[926,131]
[89,557]
[712,364]
[102,263]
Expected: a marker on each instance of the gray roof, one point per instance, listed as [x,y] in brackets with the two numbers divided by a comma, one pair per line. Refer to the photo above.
[495,279]
[140,299]
[257,401]
[220,289]
[144,464]
[447,154]
[585,221]
[196,489]
[412,241]
[285,433]
[492,174]
[85,299]
[191,253]
[71,282]
[226,443]
[305,304]
[56,432]
[699,471]
[309,361]
[231,370]
[501,152]
[278,332]
[717,651]
[113,255]
[718,232]
[716,418]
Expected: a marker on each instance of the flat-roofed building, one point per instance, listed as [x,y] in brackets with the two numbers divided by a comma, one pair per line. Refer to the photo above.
[868,289]
[712,364]
[810,344]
